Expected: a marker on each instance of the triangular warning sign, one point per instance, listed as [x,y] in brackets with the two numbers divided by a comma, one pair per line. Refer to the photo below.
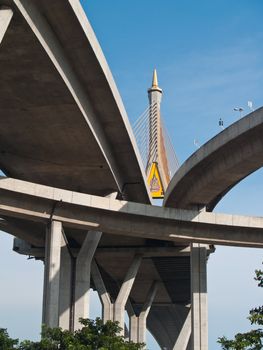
[154,182]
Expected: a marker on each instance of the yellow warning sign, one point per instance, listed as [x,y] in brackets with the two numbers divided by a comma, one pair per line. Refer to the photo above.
[154,182]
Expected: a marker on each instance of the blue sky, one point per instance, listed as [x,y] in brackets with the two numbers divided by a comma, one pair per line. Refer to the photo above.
[209,57]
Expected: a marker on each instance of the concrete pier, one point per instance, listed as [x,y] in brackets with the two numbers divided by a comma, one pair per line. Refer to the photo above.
[120,302]
[67,278]
[65,289]
[138,322]
[82,273]
[199,336]
[52,274]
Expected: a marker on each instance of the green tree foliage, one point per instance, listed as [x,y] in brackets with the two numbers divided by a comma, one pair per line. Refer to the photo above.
[93,336]
[252,340]
[6,343]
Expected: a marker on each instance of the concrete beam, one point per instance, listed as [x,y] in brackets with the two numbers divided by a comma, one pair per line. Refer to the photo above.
[54,50]
[185,333]
[35,202]
[146,252]
[52,275]
[199,312]
[22,247]
[82,281]
[6,15]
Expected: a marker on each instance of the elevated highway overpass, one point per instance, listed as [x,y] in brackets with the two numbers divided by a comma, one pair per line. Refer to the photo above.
[63,125]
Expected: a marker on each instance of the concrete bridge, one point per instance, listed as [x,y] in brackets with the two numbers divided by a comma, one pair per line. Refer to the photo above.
[76,195]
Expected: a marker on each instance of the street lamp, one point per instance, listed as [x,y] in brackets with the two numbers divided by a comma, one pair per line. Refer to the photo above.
[240,110]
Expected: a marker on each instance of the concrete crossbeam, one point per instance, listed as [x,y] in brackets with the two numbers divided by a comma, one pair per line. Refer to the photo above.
[22,247]
[6,15]
[36,203]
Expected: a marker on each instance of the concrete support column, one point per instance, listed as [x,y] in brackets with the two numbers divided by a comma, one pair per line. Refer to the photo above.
[199,297]
[115,311]
[138,323]
[52,274]
[107,305]
[184,336]
[5,17]
[82,279]
[119,305]
[65,286]
[66,279]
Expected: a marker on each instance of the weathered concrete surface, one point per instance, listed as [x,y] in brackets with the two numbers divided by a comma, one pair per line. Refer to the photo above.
[218,165]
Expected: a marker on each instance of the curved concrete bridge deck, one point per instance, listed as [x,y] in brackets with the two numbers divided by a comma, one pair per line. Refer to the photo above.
[62,119]
[217,166]
[63,124]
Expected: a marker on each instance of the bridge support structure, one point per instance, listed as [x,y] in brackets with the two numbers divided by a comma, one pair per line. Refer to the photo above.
[66,278]
[115,311]
[138,322]
[199,337]
[183,340]
[67,270]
